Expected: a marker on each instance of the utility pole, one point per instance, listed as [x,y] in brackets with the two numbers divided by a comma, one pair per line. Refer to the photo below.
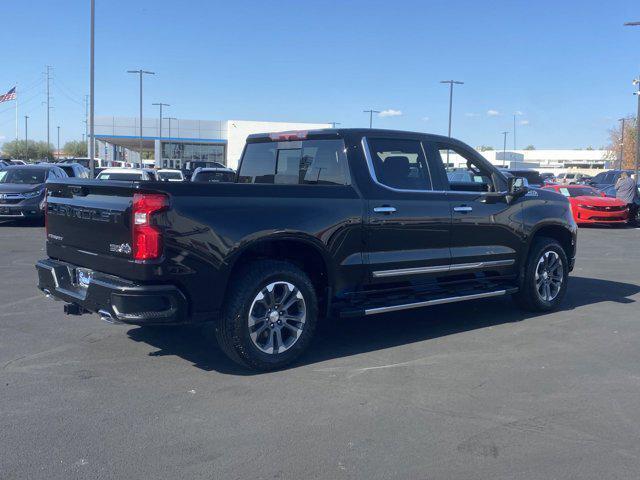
[140,73]
[504,150]
[370,112]
[623,120]
[48,78]
[92,143]
[514,131]
[58,141]
[451,84]
[26,138]
[161,105]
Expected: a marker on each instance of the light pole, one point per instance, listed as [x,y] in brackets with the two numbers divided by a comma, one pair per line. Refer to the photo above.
[637,93]
[168,118]
[58,141]
[333,124]
[636,82]
[451,84]
[26,138]
[140,73]
[370,112]
[623,120]
[504,150]
[92,145]
[160,104]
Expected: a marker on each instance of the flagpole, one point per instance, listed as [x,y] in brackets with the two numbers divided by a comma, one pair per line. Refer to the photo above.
[16,111]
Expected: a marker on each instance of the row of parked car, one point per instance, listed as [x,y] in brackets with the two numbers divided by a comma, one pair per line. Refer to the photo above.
[22,186]
[592,199]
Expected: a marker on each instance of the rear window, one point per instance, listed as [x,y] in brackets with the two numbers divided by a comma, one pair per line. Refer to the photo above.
[170,175]
[120,176]
[309,162]
[214,177]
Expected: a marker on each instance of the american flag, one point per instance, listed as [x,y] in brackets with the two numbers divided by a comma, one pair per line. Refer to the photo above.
[10,95]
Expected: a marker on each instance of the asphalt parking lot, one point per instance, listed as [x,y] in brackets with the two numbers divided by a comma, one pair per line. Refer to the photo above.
[468,391]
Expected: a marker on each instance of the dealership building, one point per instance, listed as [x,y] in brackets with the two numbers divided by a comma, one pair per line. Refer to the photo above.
[179,140]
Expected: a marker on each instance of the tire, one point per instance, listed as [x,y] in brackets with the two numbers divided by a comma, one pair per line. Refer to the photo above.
[541,292]
[277,340]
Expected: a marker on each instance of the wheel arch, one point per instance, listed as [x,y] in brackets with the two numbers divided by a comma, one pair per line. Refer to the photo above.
[306,252]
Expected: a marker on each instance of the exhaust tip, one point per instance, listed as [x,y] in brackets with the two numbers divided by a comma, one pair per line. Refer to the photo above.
[108,317]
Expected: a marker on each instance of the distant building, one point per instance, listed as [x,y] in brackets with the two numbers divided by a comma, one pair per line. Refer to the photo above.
[181,140]
[555,161]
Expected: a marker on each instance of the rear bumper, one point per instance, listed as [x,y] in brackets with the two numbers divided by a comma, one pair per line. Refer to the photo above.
[113,297]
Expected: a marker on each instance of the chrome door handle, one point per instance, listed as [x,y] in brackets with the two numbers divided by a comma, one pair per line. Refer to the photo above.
[385,209]
[463,209]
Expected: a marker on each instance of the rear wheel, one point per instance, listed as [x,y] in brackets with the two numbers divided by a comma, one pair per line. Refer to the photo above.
[269,317]
[544,282]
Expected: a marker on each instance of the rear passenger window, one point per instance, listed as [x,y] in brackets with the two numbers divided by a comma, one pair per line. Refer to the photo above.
[309,162]
[399,164]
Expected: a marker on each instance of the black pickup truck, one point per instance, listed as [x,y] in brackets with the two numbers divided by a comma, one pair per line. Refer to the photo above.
[338,222]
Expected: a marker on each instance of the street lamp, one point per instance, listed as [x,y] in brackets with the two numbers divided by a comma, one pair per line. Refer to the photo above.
[140,73]
[451,84]
[58,141]
[636,82]
[623,120]
[504,149]
[371,112]
[26,138]
[168,118]
[333,124]
[92,144]
[160,104]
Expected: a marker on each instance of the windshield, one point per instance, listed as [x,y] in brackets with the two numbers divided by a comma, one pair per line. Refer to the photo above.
[23,176]
[170,175]
[579,192]
[120,176]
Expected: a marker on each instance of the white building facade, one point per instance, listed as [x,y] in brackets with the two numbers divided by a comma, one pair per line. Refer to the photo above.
[178,141]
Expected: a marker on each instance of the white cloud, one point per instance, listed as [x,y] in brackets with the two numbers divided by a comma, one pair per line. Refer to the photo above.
[426,119]
[493,113]
[524,122]
[390,113]
[471,114]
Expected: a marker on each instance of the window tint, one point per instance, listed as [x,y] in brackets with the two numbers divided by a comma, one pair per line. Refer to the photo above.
[310,162]
[399,163]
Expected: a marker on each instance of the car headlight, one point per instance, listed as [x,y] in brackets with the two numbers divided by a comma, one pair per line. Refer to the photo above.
[34,194]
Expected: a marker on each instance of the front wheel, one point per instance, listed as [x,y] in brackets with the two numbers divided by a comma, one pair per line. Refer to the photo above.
[545,277]
[269,317]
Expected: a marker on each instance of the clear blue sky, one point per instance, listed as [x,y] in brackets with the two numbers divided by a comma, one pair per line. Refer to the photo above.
[566,65]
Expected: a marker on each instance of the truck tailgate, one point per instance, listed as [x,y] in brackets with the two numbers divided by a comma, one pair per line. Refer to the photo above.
[89,223]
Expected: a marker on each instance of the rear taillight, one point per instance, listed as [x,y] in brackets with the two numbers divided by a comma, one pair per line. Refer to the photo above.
[147,238]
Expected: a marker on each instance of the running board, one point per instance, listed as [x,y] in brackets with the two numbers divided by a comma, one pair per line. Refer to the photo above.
[437,301]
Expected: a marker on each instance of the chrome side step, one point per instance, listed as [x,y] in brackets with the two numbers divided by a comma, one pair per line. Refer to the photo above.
[437,301]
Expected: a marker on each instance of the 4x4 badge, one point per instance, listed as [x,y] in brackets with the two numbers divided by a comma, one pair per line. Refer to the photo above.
[123,248]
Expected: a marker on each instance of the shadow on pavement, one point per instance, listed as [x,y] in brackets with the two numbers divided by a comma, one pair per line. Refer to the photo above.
[342,338]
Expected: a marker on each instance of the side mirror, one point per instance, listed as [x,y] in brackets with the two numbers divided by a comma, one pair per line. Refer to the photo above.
[518,186]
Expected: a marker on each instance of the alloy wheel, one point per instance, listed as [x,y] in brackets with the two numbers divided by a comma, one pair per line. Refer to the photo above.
[549,276]
[277,317]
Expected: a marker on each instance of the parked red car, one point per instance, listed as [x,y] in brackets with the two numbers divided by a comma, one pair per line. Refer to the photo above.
[590,206]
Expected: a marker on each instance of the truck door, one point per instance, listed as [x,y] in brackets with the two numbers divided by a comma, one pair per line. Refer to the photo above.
[486,228]
[407,223]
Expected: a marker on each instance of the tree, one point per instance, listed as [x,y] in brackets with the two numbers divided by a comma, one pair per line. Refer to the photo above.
[31,150]
[484,148]
[629,148]
[75,148]
[529,147]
